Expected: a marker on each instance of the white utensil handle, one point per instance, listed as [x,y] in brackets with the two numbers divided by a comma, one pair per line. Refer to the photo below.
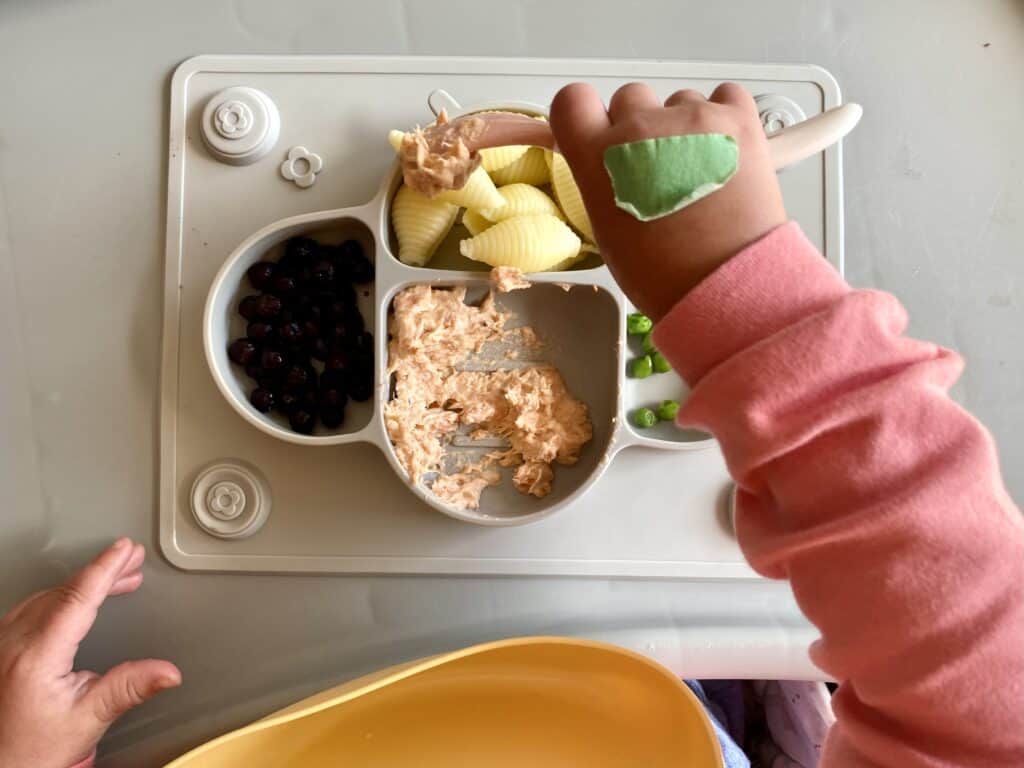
[800,141]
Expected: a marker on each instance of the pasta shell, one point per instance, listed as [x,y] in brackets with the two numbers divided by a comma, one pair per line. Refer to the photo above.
[494,158]
[522,200]
[479,193]
[568,195]
[420,223]
[474,222]
[585,248]
[530,243]
[395,139]
[531,168]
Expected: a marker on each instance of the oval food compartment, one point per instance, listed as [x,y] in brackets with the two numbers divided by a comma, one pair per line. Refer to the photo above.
[650,392]
[578,331]
[434,229]
[223,323]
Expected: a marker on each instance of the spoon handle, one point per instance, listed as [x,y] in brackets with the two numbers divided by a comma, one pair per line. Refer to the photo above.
[787,147]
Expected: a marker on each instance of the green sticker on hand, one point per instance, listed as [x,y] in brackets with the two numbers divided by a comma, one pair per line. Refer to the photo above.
[652,178]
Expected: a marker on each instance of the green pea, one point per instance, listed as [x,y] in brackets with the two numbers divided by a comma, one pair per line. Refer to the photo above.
[637,324]
[648,344]
[641,367]
[644,418]
[668,410]
[660,363]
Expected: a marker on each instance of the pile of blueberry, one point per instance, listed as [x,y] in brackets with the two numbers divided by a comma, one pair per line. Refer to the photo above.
[306,345]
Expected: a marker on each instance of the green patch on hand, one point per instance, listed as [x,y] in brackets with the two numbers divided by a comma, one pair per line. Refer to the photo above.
[652,178]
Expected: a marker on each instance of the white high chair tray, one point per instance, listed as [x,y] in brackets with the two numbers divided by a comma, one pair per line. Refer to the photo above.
[341,508]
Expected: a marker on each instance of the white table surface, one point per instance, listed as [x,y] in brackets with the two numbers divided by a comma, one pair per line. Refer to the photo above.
[934,213]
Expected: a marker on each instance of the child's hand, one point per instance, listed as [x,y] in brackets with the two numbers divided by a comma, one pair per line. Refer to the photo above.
[656,263]
[51,715]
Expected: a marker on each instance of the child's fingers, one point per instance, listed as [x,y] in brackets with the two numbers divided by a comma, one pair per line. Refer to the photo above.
[731,93]
[630,98]
[126,686]
[129,582]
[577,117]
[73,609]
[136,560]
[687,95]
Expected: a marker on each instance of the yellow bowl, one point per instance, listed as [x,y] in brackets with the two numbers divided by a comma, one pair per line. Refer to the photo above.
[528,703]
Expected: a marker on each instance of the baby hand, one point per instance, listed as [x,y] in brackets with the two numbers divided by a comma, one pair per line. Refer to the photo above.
[657,262]
[50,714]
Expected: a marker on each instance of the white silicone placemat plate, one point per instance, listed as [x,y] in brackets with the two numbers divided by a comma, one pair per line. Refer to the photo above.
[341,509]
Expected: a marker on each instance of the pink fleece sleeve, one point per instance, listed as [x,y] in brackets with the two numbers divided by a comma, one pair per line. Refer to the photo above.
[875,494]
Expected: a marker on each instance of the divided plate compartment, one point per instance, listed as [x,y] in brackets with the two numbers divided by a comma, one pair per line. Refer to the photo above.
[579,316]
[386,528]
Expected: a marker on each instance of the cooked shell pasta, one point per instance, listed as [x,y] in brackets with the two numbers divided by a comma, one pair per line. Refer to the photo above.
[395,139]
[474,222]
[532,243]
[522,200]
[585,248]
[420,223]
[495,158]
[568,195]
[479,193]
[531,168]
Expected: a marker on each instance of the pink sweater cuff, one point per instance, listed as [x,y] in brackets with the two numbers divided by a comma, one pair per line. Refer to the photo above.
[764,288]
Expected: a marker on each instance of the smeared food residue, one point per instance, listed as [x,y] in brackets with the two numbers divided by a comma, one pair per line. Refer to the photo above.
[508,279]
[450,372]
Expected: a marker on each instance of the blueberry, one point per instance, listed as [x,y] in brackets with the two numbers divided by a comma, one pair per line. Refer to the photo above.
[290,333]
[301,304]
[268,306]
[272,359]
[363,342]
[259,331]
[332,418]
[338,334]
[346,292]
[310,329]
[335,310]
[302,421]
[270,381]
[262,399]
[254,371]
[242,351]
[298,377]
[361,271]
[261,273]
[336,361]
[299,251]
[332,407]
[318,349]
[283,285]
[287,402]
[353,262]
[333,379]
[351,249]
[249,307]
[360,388]
[322,273]
[354,320]
[304,279]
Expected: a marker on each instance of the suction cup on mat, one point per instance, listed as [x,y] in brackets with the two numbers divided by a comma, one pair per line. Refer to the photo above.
[230,499]
[240,125]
